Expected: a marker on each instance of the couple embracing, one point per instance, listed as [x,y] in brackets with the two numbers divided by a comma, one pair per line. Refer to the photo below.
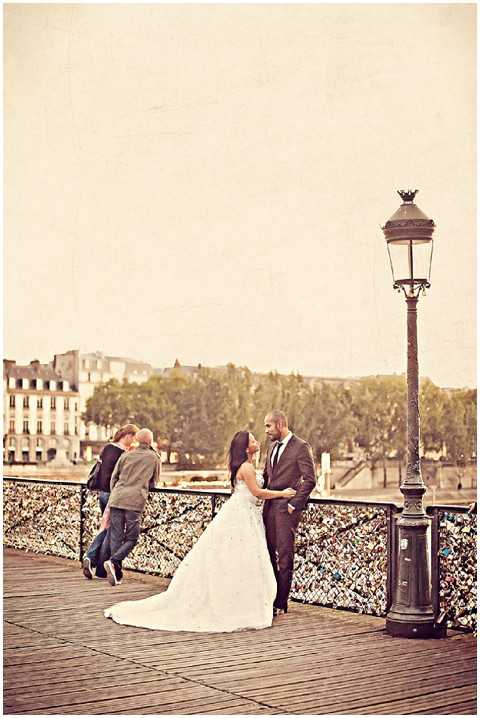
[239,572]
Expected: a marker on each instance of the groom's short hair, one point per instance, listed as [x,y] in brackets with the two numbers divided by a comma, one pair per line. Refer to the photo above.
[279,417]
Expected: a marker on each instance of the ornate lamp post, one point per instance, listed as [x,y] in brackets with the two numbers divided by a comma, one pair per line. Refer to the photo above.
[410,246]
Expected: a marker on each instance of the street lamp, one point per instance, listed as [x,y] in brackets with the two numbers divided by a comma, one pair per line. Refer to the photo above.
[410,246]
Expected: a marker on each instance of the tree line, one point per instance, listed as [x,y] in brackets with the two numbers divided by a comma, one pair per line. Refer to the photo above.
[196,415]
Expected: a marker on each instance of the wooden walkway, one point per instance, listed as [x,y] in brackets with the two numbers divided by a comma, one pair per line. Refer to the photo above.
[61,656]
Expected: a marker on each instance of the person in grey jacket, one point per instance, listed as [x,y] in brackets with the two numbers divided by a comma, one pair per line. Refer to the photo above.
[135,472]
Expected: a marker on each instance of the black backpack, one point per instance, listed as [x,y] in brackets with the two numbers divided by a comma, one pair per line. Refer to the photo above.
[93,481]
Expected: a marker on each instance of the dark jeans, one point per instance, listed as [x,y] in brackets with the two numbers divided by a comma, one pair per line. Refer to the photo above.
[103,497]
[280,527]
[99,549]
[124,533]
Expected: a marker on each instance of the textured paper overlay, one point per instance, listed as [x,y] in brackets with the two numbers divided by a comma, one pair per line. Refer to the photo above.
[208,183]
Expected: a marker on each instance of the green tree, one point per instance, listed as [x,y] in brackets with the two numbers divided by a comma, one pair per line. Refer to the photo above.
[433,402]
[170,395]
[327,421]
[460,418]
[206,419]
[108,406]
[196,416]
[266,395]
[379,410]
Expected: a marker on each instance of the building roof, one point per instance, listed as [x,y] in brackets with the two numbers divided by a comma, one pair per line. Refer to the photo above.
[183,368]
[127,360]
[34,370]
[130,364]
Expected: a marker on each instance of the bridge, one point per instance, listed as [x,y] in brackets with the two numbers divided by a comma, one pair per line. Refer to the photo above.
[63,657]
[329,654]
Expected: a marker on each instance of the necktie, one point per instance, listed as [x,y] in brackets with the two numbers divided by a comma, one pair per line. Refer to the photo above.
[277,451]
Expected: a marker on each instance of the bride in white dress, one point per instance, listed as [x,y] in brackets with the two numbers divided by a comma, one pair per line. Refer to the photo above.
[226,582]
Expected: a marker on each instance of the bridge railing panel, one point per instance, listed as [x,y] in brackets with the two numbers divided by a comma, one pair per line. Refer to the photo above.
[342,557]
[454,566]
[42,517]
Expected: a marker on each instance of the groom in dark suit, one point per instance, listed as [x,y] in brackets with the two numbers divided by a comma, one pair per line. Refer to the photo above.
[289,463]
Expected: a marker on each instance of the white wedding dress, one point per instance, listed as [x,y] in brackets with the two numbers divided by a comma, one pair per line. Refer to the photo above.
[225,583]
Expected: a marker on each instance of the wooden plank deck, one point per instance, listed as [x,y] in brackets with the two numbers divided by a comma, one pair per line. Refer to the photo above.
[61,656]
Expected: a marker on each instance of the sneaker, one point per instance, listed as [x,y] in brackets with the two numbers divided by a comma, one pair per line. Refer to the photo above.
[111,575]
[87,568]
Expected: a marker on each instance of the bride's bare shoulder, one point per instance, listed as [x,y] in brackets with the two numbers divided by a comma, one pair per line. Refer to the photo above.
[245,471]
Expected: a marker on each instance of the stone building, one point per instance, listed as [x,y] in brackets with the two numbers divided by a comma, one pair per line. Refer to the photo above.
[41,414]
[87,370]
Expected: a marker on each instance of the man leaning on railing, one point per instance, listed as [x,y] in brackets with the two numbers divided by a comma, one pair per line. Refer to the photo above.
[136,471]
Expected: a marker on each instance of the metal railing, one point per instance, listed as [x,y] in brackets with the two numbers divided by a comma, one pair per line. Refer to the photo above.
[342,556]
[454,565]
[345,550]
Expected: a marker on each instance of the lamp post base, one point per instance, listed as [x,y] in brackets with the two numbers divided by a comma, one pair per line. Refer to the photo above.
[405,626]
[411,614]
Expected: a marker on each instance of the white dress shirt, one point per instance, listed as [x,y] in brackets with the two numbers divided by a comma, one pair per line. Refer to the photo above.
[281,449]
[280,452]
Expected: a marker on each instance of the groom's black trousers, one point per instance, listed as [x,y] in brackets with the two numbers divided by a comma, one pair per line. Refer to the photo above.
[280,527]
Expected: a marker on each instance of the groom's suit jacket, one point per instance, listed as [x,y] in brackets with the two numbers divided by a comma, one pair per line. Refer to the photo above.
[295,468]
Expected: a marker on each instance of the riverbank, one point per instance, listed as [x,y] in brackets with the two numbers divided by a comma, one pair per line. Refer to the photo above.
[218,479]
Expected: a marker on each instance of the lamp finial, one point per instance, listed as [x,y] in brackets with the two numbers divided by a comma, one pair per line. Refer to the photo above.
[408,195]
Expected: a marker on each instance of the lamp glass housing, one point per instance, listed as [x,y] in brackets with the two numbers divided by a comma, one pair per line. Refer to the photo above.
[410,261]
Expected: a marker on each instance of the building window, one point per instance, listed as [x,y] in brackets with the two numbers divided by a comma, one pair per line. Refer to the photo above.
[40,403]
[65,403]
[19,384]
[25,427]
[76,406]
[65,429]
[25,402]
[76,430]
[12,426]
[52,427]
[53,403]
[33,383]
[39,427]
[12,400]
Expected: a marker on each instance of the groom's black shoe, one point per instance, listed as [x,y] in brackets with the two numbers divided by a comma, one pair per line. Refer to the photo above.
[278,611]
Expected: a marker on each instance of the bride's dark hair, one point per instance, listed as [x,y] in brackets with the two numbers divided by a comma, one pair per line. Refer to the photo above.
[237,454]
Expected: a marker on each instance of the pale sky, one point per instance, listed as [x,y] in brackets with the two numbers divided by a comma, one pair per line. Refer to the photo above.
[209,183]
